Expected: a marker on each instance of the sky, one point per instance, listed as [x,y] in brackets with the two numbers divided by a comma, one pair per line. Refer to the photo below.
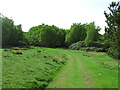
[61,13]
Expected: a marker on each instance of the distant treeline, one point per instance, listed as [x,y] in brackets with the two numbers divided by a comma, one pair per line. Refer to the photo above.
[79,35]
[46,35]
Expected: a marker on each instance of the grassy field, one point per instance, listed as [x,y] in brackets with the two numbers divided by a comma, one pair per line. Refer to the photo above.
[58,68]
[33,68]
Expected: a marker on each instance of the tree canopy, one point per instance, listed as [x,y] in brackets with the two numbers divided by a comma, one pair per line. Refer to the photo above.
[11,34]
[77,33]
[45,35]
[92,33]
[112,31]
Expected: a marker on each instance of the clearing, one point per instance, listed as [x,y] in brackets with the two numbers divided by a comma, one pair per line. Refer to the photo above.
[58,68]
[87,70]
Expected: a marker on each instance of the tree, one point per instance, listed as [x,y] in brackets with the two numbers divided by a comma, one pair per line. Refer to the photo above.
[60,40]
[33,35]
[48,36]
[77,33]
[112,30]
[11,34]
[17,35]
[92,34]
[45,35]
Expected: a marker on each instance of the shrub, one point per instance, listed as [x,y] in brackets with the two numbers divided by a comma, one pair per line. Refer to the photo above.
[114,52]
[93,49]
[92,46]
[77,45]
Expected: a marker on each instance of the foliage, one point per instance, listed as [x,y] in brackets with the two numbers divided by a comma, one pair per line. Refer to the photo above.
[32,37]
[48,36]
[94,46]
[11,34]
[77,33]
[92,34]
[45,35]
[96,49]
[60,40]
[77,45]
[113,30]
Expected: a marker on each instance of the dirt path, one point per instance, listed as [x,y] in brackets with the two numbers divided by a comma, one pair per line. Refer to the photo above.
[74,75]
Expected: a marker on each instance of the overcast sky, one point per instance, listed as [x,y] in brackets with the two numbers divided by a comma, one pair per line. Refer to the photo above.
[61,13]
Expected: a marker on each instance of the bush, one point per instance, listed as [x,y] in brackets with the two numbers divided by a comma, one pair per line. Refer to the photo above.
[106,45]
[93,49]
[92,46]
[114,52]
[87,49]
[77,45]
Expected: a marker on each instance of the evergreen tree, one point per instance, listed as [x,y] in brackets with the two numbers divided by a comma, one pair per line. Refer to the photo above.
[112,31]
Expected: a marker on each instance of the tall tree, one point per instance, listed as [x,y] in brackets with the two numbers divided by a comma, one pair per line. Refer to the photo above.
[33,35]
[48,36]
[113,29]
[77,33]
[11,34]
[45,35]
[92,33]
[60,40]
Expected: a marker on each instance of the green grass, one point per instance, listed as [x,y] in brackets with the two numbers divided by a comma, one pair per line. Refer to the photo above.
[0,69]
[32,68]
[88,70]
[58,68]
[103,69]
